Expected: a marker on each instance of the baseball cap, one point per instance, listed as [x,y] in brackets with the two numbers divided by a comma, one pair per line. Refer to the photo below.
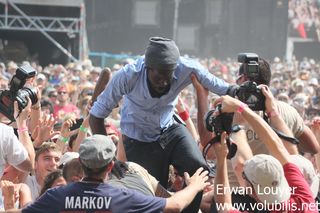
[162,54]
[97,151]
[313,81]
[41,76]
[68,156]
[308,172]
[266,174]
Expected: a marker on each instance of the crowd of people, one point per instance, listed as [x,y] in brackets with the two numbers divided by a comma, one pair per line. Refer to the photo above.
[134,141]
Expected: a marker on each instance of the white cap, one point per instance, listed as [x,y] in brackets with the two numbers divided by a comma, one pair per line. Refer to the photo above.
[308,172]
[313,81]
[266,174]
[41,76]
[68,156]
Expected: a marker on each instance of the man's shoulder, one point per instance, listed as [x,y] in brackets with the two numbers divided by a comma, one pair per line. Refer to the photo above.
[136,67]
[285,108]
[283,104]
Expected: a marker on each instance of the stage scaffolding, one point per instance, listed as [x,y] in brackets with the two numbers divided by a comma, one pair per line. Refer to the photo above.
[17,19]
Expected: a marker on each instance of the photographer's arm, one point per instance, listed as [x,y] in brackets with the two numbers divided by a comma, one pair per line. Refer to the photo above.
[243,153]
[24,138]
[35,115]
[264,131]
[276,121]
[221,182]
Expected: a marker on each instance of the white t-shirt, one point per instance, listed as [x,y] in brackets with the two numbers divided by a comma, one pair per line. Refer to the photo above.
[35,188]
[11,149]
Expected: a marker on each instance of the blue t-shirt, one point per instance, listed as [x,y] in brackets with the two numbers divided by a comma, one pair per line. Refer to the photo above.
[83,197]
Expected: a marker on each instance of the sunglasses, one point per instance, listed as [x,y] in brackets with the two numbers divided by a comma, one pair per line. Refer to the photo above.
[61,93]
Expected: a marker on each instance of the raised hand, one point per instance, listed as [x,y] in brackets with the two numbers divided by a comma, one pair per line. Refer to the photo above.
[44,131]
[198,179]
[221,149]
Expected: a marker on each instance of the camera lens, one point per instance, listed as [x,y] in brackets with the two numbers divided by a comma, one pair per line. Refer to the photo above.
[22,95]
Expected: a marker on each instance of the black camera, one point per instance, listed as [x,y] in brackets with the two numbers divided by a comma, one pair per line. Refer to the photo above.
[218,122]
[250,65]
[18,92]
[248,92]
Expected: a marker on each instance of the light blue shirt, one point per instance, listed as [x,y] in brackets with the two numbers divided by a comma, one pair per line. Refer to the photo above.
[142,116]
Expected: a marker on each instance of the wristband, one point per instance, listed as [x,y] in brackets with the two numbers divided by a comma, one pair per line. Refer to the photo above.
[83,129]
[241,107]
[63,139]
[273,113]
[36,107]
[23,129]
[184,115]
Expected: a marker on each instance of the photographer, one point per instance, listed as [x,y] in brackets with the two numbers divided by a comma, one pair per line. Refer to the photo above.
[293,120]
[13,151]
[262,171]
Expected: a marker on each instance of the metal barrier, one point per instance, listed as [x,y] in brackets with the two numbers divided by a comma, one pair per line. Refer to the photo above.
[104,59]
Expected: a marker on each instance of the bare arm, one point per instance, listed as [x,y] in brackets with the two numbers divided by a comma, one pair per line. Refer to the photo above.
[97,124]
[221,181]
[82,133]
[189,124]
[202,102]
[24,195]
[103,80]
[121,153]
[264,131]
[162,192]
[24,137]
[277,122]
[308,141]
[243,153]
[35,112]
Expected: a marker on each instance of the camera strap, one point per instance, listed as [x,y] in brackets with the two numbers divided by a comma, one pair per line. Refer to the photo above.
[286,138]
[231,146]
[281,135]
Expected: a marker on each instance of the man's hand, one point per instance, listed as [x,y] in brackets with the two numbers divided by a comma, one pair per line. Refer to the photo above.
[9,193]
[22,116]
[228,104]
[44,131]
[270,100]
[198,180]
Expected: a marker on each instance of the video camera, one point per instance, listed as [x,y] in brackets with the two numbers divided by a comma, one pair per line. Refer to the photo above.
[248,92]
[18,92]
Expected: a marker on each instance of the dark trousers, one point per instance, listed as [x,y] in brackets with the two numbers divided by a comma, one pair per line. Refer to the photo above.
[175,146]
